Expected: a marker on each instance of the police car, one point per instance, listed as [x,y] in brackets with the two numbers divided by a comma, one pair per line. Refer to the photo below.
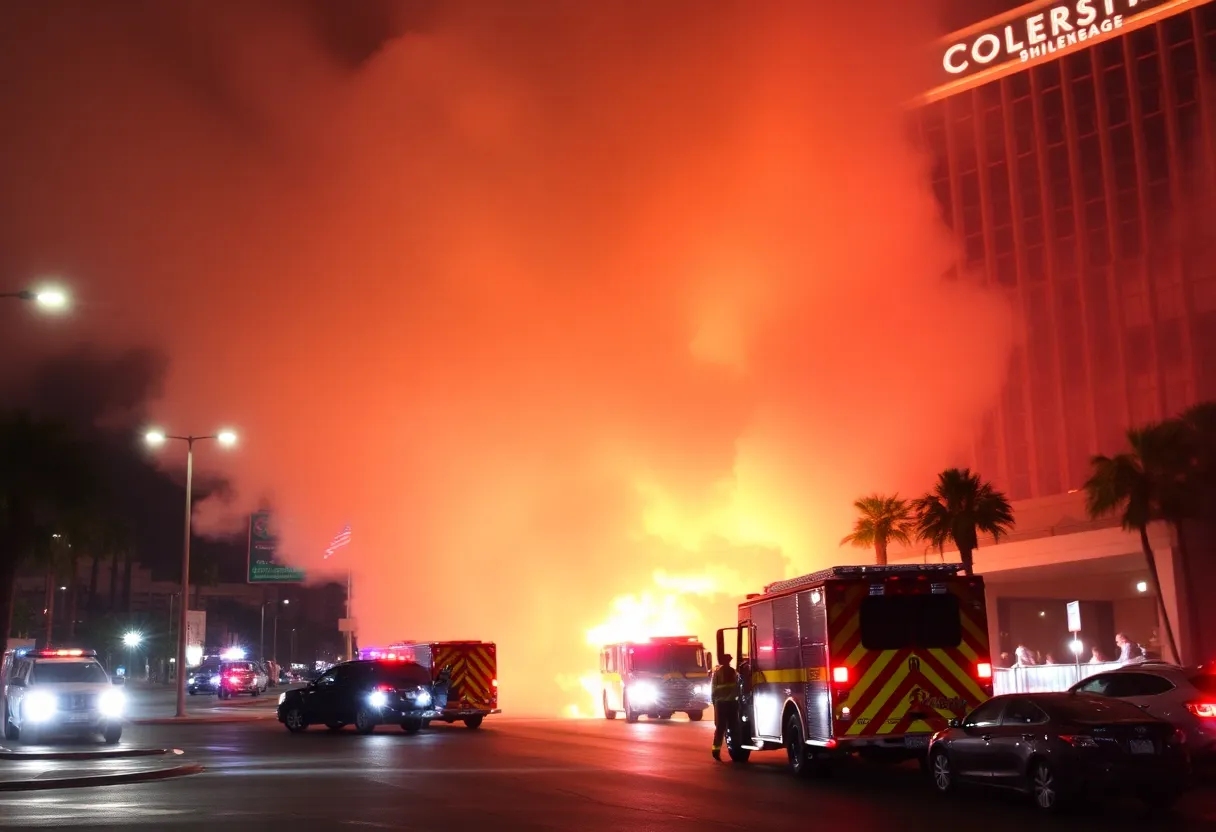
[58,692]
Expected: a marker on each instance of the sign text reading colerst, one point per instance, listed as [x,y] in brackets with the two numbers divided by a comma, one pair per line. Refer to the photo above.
[1041,34]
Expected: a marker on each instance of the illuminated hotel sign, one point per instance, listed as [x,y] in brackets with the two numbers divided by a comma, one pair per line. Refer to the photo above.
[1041,34]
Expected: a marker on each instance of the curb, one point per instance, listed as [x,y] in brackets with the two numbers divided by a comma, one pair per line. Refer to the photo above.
[200,720]
[8,754]
[99,779]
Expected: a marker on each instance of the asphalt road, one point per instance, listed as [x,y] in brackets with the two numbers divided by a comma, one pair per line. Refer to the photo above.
[528,775]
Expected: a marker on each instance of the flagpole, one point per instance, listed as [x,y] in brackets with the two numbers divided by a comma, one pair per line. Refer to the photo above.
[349,635]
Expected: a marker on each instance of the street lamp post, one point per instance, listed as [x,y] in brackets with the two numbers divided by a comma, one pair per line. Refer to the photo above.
[131,640]
[274,639]
[156,437]
[262,628]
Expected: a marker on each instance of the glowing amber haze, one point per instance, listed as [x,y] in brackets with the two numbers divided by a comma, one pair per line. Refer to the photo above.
[587,322]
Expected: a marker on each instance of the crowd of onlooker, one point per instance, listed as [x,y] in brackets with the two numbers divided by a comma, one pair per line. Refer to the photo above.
[1126,652]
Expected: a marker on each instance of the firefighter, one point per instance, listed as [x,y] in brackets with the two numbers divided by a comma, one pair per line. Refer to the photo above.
[725,696]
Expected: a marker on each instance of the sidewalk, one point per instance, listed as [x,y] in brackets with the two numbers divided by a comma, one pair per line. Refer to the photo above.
[49,769]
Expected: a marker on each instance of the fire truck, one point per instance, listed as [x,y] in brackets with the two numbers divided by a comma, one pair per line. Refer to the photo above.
[473,687]
[871,660]
[656,677]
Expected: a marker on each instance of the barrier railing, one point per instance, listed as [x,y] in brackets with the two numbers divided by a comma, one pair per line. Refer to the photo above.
[1045,678]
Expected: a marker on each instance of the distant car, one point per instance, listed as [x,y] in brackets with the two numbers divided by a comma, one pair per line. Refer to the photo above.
[1186,698]
[204,679]
[1056,746]
[364,694]
[61,691]
[238,677]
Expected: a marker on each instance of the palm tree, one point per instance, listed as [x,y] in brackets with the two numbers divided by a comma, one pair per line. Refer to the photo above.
[1145,483]
[958,508]
[45,474]
[881,520]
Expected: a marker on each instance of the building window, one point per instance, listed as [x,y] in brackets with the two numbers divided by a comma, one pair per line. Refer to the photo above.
[1032,231]
[1118,108]
[1156,147]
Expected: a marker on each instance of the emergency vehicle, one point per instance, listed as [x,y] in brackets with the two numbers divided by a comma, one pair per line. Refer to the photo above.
[656,677]
[870,660]
[473,688]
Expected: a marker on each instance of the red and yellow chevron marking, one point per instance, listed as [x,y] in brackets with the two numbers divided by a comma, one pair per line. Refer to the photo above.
[888,683]
[474,669]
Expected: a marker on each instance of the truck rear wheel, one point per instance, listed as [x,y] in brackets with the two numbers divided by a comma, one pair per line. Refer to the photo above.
[608,712]
[474,721]
[734,748]
[696,716]
[630,714]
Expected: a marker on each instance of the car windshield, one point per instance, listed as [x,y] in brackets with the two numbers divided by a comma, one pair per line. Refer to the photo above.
[683,658]
[403,673]
[1085,707]
[58,673]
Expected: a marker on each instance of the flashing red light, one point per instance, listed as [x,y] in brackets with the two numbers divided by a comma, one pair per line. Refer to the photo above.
[61,653]
[831,743]
[1203,710]
[236,680]
[494,682]
[984,670]
[385,688]
[840,675]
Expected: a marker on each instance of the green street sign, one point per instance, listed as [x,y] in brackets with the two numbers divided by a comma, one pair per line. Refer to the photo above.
[263,567]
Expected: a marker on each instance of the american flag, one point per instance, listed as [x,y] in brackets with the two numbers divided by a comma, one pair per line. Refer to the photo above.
[340,540]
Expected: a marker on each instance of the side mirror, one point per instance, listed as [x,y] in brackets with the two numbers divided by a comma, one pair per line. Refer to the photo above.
[118,680]
[955,723]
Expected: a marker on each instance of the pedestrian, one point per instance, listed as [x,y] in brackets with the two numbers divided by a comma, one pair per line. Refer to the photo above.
[724,692]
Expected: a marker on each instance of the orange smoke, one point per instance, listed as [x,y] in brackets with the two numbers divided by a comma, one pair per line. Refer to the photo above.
[587,324]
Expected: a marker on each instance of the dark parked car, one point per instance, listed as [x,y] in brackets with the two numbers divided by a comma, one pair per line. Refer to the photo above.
[364,694]
[204,679]
[1055,746]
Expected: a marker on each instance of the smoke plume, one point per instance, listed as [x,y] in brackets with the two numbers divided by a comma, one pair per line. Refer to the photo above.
[576,313]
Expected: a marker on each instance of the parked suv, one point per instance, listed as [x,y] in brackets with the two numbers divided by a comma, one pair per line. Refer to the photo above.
[1185,697]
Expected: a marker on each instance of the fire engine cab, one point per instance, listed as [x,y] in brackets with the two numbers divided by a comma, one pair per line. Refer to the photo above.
[656,677]
[871,660]
[472,669]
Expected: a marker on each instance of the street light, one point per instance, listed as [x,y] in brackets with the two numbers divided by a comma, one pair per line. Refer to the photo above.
[50,298]
[156,437]
[262,629]
[131,639]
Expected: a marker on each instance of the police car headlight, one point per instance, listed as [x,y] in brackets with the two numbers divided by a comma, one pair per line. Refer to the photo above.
[215,680]
[643,693]
[700,690]
[112,703]
[377,699]
[39,706]
[423,699]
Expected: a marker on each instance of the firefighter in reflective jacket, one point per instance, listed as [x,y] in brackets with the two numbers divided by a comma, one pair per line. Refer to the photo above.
[725,695]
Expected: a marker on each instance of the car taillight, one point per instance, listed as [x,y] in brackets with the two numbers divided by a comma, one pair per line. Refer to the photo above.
[840,675]
[1203,710]
[385,688]
[983,670]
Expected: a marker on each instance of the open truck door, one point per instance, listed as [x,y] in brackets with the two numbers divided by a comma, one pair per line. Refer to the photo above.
[741,640]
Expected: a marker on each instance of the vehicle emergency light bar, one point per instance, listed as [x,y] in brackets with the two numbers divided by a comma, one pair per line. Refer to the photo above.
[63,653]
[855,572]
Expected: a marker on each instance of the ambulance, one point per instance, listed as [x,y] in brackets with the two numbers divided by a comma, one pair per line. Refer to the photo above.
[656,677]
[867,660]
[473,689]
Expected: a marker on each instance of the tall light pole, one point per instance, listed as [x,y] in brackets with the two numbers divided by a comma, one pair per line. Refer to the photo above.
[49,298]
[262,628]
[274,640]
[156,437]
